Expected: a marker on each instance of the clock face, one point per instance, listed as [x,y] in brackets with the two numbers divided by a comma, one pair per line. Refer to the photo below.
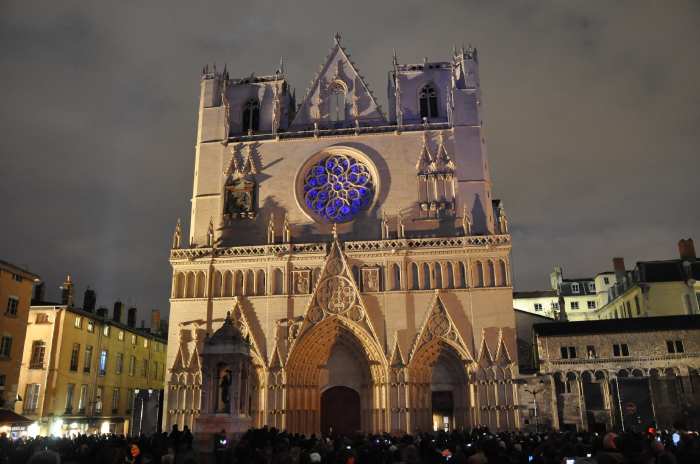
[337,187]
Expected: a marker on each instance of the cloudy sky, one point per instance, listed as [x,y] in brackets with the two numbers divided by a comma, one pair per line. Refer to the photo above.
[592,113]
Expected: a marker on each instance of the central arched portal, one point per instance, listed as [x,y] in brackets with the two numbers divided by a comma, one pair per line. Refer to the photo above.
[334,380]
[340,411]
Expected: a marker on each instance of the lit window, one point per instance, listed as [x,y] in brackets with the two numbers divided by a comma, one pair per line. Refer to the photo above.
[590,352]
[120,335]
[38,351]
[91,326]
[102,369]
[98,400]
[133,339]
[145,343]
[105,331]
[41,318]
[31,397]
[82,400]
[78,322]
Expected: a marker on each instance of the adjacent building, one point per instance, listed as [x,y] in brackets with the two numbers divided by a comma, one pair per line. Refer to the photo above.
[84,371]
[654,288]
[628,373]
[361,252]
[16,286]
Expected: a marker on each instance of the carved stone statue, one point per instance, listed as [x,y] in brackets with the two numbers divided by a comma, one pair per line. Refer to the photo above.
[177,235]
[502,221]
[466,222]
[240,197]
[210,233]
[385,227]
[224,384]
[286,231]
[400,229]
[271,229]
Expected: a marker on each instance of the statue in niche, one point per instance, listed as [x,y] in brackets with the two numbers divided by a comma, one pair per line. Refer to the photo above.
[240,198]
[224,390]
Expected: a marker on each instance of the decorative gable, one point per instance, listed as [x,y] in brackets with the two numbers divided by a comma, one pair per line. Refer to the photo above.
[338,96]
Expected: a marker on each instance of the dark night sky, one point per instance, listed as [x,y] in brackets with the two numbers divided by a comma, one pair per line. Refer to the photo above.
[592,113]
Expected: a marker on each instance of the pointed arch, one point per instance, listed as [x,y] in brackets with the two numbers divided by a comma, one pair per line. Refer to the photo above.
[450,275]
[463,283]
[179,287]
[228,284]
[491,279]
[478,274]
[277,281]
[200,284]
[415,281]
[502,273]
[190,292]
[395,277]
[217,284]
[260,283]
[438,275]
[426,277]
[238,283]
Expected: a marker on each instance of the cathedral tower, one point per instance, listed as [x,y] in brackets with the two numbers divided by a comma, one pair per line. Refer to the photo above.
[360,252]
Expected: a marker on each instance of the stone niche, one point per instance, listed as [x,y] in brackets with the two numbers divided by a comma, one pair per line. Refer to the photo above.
[226,383]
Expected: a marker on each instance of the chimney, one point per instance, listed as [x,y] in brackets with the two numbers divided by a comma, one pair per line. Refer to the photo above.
[117,312]
[102,312]
[131,318]
[686,249]
[39,290]
[619,268]
[155,321]
[67,292]
[89,300]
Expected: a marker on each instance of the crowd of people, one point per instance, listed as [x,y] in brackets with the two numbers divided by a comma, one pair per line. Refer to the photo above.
[270,446]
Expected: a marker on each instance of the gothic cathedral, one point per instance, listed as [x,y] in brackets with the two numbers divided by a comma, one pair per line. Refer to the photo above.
[358,252]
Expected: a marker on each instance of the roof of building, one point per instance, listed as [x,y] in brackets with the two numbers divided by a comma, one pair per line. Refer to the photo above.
[17,269]
[530,313]
[535,294]
[144,332]
[625,325]
[672,270]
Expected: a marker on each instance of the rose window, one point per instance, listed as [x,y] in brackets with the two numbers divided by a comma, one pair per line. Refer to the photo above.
[338,187]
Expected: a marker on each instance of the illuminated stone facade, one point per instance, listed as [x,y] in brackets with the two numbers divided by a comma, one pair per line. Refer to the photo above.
[359,252]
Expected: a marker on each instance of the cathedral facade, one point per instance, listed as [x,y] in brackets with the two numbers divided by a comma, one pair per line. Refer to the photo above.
[360,252]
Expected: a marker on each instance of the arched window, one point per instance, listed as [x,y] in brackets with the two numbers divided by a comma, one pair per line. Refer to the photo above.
[479,274]
[250,283]
[450,275]
[337,103]
[260,283]
[179,285]
[428,102]
[218,283]
[251,116]
[228,284]
[426,277]
[189,293]
[201,281]
[396,278]
[492,274]
[438,275]
[278,281]
[503,278]
[462,275]
[238,283]
[414,276]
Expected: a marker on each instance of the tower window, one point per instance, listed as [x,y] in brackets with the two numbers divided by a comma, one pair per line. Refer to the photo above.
[251,116]
[428,102]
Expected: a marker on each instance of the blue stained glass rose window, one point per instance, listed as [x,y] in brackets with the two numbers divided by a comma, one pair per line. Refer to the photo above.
[337,187]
